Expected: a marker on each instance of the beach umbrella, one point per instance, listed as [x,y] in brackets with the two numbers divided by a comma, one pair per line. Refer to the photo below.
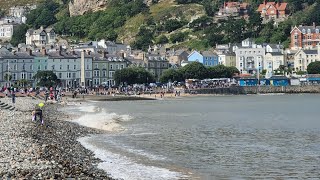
[41,104]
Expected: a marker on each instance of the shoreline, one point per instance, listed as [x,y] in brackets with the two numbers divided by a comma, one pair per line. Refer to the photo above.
[32,151]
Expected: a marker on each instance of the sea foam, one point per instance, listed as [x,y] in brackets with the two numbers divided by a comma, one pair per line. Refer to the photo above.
[121,167]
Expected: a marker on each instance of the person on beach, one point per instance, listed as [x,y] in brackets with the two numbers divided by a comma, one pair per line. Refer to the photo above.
[13,96]
[37,112]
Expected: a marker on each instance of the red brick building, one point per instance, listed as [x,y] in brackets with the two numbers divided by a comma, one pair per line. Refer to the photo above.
[305,37]
[273,10]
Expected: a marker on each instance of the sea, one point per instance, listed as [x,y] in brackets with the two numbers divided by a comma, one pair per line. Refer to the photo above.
[214,137]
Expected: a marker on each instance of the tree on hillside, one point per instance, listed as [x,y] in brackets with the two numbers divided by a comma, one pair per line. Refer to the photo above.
[178,37]
[143,39]
[194,70]
[43,15]
[221,71]
[133,75]
[46,79]
[162,40]
[19,34]
[314,68]
[173,24]
[255,23]
[171,75]
[201,23]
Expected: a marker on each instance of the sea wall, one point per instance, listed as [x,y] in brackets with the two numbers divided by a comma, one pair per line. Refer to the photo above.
[261,89]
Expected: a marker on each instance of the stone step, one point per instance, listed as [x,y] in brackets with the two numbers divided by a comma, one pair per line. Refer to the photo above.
[12,108]
[4,105]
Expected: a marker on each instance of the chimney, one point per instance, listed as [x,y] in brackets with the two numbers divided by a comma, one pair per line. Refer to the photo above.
[43,51]
[60,50]
[29,51]
[105,53]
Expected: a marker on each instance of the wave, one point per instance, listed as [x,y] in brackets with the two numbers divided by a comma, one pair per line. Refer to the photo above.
[121,167]
[97,118]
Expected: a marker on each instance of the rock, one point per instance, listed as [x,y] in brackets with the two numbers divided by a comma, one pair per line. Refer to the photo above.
[80,7]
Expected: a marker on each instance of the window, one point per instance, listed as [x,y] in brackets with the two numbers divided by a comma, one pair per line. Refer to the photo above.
[96,73]
[96,66]
[295,36]
[87,66]
[53,67]
[39,67]
[240,64]
[117,66]
[111,66]
[104,73]
[74,66]
[15,67]
[60,67]
[30,76]
[303,31]
[45,67]
[23,76]
[60,75]
[111,74]
[31,67]
[68,67]
[309,31]
[73,75]
[122,66]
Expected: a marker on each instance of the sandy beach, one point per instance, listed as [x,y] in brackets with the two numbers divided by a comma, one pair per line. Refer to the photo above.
[32,151]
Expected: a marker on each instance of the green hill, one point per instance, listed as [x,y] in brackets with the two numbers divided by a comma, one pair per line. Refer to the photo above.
[6,4]
[174,23]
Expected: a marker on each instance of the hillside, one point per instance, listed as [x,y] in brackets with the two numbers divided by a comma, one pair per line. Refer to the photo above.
[173,23]
[6,4]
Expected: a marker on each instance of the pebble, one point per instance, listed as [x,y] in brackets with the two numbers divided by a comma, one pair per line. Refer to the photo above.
[30,151]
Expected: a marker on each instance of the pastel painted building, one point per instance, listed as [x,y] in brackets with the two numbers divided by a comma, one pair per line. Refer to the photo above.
[207,58]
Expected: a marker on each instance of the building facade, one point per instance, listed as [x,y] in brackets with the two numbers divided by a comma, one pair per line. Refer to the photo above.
[304,57]
[41,37]
[234,9]
[227,59]
[249,57]
[306,37]
[272,62]
[6,31]
[207,58]
[68,67]
[277,11]
[156,64]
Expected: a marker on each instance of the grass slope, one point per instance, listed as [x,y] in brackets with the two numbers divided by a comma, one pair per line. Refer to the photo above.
[6,4]
[160,12]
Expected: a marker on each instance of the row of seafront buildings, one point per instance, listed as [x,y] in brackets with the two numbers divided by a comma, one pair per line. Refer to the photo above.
[86,65]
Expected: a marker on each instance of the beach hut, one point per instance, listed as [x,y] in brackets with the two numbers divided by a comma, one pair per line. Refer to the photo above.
[248,81]
[279,81]
[313,78]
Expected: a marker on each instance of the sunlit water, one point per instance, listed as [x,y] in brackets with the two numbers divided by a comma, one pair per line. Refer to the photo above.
[228,137]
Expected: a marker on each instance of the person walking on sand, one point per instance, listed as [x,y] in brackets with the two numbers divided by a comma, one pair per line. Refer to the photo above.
[13,96]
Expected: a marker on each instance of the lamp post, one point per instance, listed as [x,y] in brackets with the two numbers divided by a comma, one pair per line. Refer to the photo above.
[75,83]
[90,83]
